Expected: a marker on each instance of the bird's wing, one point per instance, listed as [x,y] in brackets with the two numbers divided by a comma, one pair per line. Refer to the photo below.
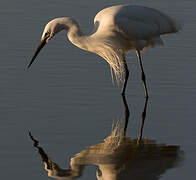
[138,22]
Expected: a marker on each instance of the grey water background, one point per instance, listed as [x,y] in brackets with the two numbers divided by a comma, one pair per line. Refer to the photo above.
[67,100]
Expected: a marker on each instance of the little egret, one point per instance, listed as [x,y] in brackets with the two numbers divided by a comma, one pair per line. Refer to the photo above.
[117,29]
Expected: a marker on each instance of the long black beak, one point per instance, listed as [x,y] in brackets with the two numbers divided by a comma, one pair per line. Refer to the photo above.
[41,45]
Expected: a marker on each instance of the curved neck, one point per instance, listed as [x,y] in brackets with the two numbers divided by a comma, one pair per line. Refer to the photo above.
[75,34]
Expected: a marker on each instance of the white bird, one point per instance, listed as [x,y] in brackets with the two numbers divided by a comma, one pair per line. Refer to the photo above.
[117,29]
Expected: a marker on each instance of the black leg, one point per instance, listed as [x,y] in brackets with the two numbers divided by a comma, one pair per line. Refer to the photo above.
[142,71]
[126,76]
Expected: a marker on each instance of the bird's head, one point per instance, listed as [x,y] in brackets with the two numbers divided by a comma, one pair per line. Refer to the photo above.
[52,28]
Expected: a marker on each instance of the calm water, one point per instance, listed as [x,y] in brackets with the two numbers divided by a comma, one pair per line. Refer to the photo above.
[68,102]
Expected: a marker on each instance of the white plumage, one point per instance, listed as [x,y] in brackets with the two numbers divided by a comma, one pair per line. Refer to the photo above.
[117,30]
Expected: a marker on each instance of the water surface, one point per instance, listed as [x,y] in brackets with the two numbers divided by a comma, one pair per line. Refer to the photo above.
[67,100]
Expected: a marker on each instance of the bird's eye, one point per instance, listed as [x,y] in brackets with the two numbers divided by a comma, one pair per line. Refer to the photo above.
[47,34]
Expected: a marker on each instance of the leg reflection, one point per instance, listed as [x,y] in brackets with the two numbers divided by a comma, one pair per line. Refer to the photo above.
[143,121]
[126,111]
[127,114]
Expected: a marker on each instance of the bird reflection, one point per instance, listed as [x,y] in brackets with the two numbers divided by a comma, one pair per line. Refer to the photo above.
[118,157]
